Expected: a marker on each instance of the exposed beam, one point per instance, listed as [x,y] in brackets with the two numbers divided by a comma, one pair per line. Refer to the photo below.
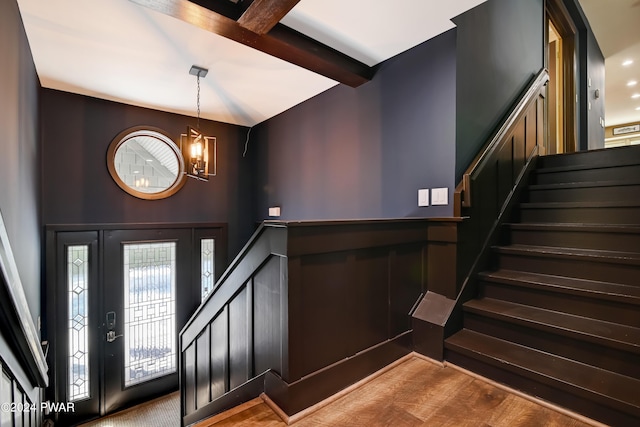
[263,15]
[281,42]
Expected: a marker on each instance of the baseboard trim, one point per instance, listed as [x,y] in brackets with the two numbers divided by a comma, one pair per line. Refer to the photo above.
[229,413]
[310,410]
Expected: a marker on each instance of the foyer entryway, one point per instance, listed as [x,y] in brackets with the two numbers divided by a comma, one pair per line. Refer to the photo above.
[119,298]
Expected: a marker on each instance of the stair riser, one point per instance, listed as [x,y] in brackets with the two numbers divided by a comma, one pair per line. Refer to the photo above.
[585,194]
[608,215]
[610,311]
[577,239]
[604,357]
[617,173]
[549,390]
[594,157]
[581,268]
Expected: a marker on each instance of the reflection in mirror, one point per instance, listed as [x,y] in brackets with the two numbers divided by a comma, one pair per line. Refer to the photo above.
[146,163]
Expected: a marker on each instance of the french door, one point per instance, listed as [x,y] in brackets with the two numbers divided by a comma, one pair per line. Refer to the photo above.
[120,300]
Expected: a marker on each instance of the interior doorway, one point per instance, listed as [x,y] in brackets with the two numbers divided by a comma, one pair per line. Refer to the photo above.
[560,33]
[556,110]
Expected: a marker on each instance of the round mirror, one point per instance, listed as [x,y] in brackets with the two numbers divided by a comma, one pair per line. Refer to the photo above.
[146,163]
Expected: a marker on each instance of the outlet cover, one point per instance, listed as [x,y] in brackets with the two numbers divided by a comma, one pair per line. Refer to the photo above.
[423,197]
[439,196]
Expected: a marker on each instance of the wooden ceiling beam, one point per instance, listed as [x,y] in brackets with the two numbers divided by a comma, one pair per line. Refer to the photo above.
[281,42]
[263,15]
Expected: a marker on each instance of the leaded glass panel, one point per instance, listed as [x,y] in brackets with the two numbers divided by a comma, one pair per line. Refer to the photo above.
[207,266]
[78,318]
[149,311]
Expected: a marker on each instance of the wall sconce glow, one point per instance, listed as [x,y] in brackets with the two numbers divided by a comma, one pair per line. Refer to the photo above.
[638,109]
[632,83]
[627,62]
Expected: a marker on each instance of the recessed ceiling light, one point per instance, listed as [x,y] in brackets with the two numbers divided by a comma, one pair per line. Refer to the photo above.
[635,96]
[638,109]
[627,62]
[632,83]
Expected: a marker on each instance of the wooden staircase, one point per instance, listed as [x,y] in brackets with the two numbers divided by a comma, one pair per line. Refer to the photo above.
[558,315]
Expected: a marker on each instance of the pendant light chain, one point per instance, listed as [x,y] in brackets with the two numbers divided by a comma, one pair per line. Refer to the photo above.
[198,103]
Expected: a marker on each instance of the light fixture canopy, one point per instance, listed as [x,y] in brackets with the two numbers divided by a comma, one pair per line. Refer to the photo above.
[198,71]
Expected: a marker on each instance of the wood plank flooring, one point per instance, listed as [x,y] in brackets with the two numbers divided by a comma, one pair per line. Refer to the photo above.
[416,392]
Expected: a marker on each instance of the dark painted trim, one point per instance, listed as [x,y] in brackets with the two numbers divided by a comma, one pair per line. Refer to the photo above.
[320,304]
[16,315]
[299,395]
[247,391]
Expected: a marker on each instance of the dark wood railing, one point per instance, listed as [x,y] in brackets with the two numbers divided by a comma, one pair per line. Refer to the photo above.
[307,309]
[488,188]
[490,182]
[529,108]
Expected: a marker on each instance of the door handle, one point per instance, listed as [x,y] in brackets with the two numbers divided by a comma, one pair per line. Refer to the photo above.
[111,336]
[111,327]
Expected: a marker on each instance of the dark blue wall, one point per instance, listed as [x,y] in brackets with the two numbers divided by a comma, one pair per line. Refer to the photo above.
[500,49]
[19,179]
[78,189]
[364,153]
[19,151]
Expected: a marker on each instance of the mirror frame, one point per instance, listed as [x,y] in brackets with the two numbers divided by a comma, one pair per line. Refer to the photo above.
[154,132]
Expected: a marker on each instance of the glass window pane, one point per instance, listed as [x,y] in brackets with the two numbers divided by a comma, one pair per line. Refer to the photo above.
[78,318]
[207,266]
[149,311]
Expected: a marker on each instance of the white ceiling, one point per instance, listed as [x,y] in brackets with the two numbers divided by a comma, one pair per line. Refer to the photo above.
[616,25]
[120,51]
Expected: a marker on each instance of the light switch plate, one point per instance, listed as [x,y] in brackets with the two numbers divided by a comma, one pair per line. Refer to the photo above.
[439,196]
[274,211]
[423,197]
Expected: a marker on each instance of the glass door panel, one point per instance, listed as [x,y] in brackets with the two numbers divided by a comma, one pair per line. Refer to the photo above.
[149,276]
[148,298]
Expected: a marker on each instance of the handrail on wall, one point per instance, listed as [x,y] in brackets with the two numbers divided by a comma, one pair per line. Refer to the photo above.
[25,329]
[463,190]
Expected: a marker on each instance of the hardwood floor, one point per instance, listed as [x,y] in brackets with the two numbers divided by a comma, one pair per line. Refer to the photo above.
[416,392]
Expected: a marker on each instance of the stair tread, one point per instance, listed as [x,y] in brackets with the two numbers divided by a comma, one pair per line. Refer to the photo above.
[604,228]
[544,366]
[628,161]
[593,330]
[615,291]
[594,204]
[592,254]
[585,184]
